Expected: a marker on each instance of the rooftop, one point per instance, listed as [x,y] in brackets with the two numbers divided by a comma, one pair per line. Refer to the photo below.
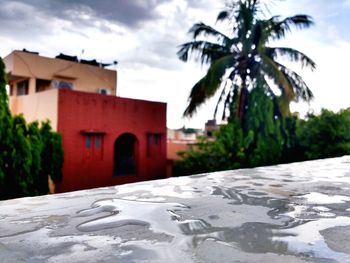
[62,56]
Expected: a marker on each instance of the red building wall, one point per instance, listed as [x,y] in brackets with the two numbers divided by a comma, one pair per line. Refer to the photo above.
[83,114]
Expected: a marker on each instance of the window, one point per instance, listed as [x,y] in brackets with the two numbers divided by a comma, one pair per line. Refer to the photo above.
[93,147]
[154,144]
[42,85]
[61,84]
[22,88]
[104,91]
[156,139]
[98,141]
[88,142]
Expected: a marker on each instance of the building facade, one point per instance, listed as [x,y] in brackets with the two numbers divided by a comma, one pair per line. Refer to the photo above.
[107,140]
[29,73]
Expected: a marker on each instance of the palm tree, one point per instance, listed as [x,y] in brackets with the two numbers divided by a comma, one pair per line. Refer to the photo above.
[242,58]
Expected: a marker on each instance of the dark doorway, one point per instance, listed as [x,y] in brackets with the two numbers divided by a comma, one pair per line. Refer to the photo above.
[125,155]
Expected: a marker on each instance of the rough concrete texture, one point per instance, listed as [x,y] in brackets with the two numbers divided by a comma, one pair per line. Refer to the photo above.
[287,213]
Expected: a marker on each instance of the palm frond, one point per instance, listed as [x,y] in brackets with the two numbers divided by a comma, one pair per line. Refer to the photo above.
[279,28]
[204,51]
[221,97]
[227,105]
[272,70]
[300,88]
[223,15]
[294,55]
[300,21]
[201,29]
[209,84]
[196,98]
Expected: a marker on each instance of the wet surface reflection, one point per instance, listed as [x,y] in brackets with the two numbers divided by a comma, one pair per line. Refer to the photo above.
[297,231]
[293,213]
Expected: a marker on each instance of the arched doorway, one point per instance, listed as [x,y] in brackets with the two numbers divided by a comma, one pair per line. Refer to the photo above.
[125,155]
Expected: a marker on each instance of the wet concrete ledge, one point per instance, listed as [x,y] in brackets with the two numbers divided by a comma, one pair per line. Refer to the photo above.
[287,213]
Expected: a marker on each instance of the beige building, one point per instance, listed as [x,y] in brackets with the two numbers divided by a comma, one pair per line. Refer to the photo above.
[30,74]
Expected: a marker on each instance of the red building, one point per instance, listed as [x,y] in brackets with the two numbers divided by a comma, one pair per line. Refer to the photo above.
[107,140]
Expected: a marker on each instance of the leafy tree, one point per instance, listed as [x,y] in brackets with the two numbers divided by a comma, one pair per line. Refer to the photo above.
[269,142]
[5,128]
[243,56]
[19,179]
[15,157]
[28,153]
[36,171]
[263,128]
[326,135]
[52,154]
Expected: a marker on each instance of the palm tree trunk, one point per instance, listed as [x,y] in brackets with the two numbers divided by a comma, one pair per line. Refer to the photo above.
[243,99]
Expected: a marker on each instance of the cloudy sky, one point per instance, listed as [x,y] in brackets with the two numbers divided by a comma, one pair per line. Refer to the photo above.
[143,36]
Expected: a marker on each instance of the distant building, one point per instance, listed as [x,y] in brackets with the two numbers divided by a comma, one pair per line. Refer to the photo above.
[185,139]
[210,128]
[107,140]
[180,140]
